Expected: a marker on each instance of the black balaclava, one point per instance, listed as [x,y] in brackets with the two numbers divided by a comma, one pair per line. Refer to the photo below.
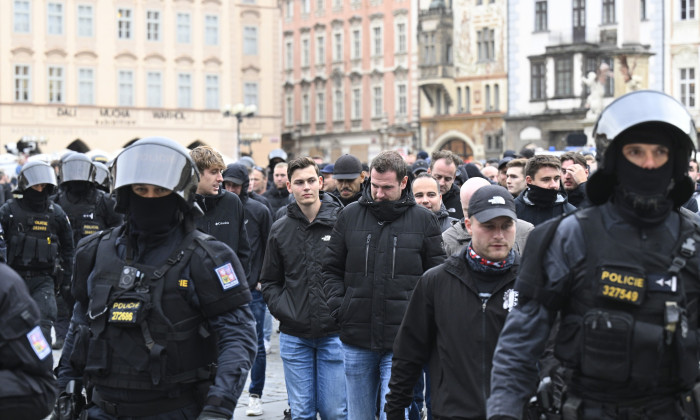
[642,195]
[154,215]
[36,200]
[542,197]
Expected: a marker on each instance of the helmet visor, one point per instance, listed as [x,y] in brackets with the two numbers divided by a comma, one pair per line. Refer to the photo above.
[35,175]
[156,165]
[77,170]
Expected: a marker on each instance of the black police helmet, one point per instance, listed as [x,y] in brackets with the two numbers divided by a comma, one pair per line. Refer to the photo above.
[639,110]
[35,173]
[156,161]
[76,167]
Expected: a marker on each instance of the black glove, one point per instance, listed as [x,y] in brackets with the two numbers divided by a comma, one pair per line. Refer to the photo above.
[212,415]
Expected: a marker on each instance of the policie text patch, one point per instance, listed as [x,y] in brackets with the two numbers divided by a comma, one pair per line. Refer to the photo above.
[226,276]
[124,312]
[620,285]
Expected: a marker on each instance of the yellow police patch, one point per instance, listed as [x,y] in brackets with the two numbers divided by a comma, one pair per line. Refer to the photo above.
[183,283]
[124,312]
[621,285]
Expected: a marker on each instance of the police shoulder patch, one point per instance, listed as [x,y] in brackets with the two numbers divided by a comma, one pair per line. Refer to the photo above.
[38,343]
[227,276]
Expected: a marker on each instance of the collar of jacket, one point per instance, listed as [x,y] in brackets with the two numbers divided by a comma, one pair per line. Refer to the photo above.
[208,202]
[561,198]
[387,211]
[456,265]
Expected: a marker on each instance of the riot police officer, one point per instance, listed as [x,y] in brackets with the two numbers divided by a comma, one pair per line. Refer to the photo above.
[27,384]
[39,238]
[622,275]
[89,211]
[161,327]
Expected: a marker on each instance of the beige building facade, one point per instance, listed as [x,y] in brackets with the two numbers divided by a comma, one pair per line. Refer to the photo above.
[96,74]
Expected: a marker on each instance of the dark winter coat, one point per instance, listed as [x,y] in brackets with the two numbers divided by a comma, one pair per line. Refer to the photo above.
[530,212]
[377,253]
[278,198]
[291,276]
[452,203]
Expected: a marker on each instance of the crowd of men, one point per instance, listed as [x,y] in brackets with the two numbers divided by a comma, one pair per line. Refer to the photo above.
[536,286]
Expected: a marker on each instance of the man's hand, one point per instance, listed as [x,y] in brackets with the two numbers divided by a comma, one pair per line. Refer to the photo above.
[212,415]
[578,172]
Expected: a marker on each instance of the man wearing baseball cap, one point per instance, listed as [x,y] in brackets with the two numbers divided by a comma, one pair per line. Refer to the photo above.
[474,286]
[349,176]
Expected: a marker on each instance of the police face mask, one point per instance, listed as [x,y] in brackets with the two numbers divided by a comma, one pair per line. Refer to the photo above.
[36,200]
[154,215]
[642,195]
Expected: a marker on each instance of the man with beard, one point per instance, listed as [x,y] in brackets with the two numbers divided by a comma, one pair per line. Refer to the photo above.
[542,199]
[39,239]
[258,221]
[620,275]
[89,210]
[443,167]
[349,176]
[223,211]
[163,306]
[378,249]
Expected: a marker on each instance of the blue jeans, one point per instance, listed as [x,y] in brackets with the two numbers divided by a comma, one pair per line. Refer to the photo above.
[257,372]
[268,324]
[367,372]
[313,373]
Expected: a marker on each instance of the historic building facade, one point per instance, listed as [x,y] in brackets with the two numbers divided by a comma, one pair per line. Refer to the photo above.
[348,77]
[462,76]
[96,74]
[682,31]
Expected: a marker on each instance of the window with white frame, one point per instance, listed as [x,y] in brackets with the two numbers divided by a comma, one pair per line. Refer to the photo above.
[56,84]
[250,40]
[377,40]
[211,30]
[496,97]
[55,18]
[126,88]
[305,52]
[288,116]
[338,105]
[459,100]
[305,6]
[184,28]
[687,9]
[356,104]
[401,45]
[289,52]
[154,89]
[488,98]
[467,100]
[184,90]
[23,83]
[356,43]
[85,20]
[320,5]
[687,86]
[378,104]
[211,100]
[153,25]
[608,11]
[124,22]
[563,72]
[402,108]
[337,46]
[541,16]
[538,73]
[305,108]
[22,16]
[320,107]
[86,86]
[290,8]
[250,93]
[320,49]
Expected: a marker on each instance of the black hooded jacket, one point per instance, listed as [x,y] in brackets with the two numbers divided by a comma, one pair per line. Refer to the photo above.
[258,221]
[291,277]
[224,219]
[278,198]
[376,254]
[452,203]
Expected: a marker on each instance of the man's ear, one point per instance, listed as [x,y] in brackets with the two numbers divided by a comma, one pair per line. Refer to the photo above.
[468,225]
[528,180]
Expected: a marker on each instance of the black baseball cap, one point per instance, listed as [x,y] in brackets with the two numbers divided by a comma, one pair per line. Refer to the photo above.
[491,201]
[419,165]
[347,167]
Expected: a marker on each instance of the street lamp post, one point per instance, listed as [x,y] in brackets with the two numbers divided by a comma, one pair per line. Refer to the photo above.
[239,111]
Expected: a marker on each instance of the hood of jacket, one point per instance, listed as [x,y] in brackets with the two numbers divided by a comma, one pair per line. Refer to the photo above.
[208,202]
[387,211]
[239,171]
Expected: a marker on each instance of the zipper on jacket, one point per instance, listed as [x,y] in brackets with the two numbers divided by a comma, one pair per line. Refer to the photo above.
[369,237]
[484,300]
[393,258]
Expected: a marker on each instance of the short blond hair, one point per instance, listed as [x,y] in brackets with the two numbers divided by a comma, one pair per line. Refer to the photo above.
[207,158]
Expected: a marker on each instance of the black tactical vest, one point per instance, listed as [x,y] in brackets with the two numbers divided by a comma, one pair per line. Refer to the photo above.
[84,216]
[146,334]
[629,329]
[33,239]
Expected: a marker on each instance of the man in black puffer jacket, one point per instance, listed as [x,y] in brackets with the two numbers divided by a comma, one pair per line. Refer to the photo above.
[291,282]
[379,248]
[223,211]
